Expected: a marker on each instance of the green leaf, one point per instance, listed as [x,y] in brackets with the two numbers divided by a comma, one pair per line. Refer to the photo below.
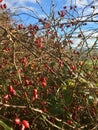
[44,117]
[97,84]
[55,106]
[63,86]
[6,127]
[68,96]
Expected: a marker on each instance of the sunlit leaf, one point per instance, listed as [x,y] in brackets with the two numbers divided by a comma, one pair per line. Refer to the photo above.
[6,127]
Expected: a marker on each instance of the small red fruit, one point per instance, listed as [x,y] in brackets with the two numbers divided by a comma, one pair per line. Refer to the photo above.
[40,45]
[11,90]
[80,63]
[60,63]
[69,122]
[43,79]
[43,103]
[38,42]
[61,13]
[84,95]
[20,26]
[46,65]
[44,109]
[4,6]
[65,7]
[75,6]
[79,35]
[71,7]
[1,1]
[44,84]
[6,97]
[74,117]
[93,7]
[35,93]
[25,123]
[17,121]
[68,25]
[27,82]
[24,61]
[73,67]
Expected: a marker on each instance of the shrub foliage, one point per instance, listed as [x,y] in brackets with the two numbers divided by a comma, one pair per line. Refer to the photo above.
[44,82]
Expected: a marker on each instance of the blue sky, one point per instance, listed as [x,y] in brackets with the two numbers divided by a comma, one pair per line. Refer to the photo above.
[30,7]
[15,8]
[14,5]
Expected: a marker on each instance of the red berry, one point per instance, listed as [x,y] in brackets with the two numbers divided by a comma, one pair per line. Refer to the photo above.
[80,63]
[73,67]
[62,14]
[24,61]
[69,122]
[6,97]
[44,84]
[35,93]
[40,45]
[74,117]
[10,88]
[17,121]
[27,82]
[24,111]
[0,66]
[43,103]
[36,27]
[46,65]
[38,42]
[70,41]
[75,6]
[65,7]
[93,6]
[25,123]
[4,6]
[71,7]
[43,79]
[68,25]
[1,1]
[20,26]
[84,95]
[30,27]
[80,35]
[44,109]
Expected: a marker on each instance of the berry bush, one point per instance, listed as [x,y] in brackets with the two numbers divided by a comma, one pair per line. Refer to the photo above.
[46,83]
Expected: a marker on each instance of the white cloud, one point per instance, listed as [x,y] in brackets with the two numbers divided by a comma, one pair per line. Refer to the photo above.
[90,38]
[11,4]
[22,6]
[79,3]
